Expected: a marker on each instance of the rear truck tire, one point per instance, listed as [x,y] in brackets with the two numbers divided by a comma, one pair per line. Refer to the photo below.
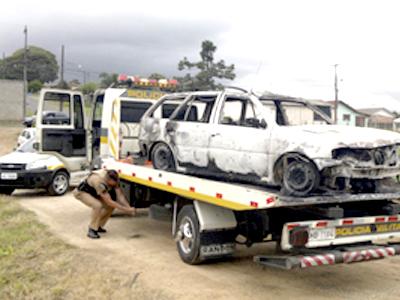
[300,178]
[6,191]
[59,184]
[188,236]
[163,158]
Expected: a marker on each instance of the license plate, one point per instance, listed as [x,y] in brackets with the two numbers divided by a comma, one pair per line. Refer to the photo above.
[9,176]
[217,249]
[316,234]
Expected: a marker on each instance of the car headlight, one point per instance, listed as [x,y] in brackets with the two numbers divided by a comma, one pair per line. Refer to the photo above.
[36,165]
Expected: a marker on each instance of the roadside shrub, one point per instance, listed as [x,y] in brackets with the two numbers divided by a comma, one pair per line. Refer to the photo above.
[35,86]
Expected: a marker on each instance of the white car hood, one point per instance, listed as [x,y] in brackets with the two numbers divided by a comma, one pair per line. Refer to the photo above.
[22,157]
[319,140]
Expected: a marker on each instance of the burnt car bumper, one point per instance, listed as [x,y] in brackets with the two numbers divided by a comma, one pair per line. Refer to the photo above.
[362,172]
[26,179]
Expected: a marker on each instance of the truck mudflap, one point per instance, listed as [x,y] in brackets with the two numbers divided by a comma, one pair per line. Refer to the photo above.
[344,255]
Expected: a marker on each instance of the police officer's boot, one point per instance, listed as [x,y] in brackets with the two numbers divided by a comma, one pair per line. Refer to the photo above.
[93,234]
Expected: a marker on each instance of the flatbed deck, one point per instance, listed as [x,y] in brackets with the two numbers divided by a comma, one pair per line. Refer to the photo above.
[235,196]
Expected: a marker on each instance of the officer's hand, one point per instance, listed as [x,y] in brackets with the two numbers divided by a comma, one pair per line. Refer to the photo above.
[131,210]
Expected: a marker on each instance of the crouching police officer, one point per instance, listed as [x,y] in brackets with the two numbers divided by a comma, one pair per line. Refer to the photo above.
[102,193]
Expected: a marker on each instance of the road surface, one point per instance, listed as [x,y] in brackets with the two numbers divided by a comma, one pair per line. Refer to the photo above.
[145,247]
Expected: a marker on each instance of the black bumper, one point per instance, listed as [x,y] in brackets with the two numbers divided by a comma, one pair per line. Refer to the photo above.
[28,179]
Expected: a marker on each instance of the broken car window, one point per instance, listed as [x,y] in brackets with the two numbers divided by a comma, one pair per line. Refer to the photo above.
[239,112]
[196,110]
[290,113]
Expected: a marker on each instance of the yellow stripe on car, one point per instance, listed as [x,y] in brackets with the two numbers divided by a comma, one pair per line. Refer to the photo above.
[54,167]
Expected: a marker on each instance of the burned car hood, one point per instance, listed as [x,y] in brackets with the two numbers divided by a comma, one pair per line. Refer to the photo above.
[320,140]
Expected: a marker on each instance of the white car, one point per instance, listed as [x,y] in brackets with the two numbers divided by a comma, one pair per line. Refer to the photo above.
[24,170]
[278,141]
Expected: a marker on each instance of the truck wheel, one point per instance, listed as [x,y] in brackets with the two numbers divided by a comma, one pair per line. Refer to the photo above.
[59,184]
[6,190]
[300,178]
[162,157]
[188,242]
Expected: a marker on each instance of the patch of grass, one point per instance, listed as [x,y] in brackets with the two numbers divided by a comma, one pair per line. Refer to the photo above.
[34,264]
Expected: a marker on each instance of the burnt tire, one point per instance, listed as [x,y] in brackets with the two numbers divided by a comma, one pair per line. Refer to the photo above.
[188,243]
[163,158]
[59,184]
[6,191]
[300,178]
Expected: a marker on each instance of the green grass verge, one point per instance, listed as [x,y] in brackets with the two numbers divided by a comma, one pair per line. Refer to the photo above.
[29,255]
[35,264]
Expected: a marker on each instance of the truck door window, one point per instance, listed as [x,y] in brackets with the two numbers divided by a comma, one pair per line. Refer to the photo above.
[132,112]
[98,109]
[78,112]
[56,109]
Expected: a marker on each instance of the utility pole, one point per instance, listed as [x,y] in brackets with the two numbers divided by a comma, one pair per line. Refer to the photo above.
[62,66]
[336,94]
[25,71]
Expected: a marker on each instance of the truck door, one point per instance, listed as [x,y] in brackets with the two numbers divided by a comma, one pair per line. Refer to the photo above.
[96,126]
[61,127]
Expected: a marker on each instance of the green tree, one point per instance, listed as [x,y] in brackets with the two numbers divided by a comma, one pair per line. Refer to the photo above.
[88,88]
[35,86]
[41,65]
[107,79]
[208,70]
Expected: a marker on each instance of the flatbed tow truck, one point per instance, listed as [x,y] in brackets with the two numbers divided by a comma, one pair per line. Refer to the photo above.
[210,217]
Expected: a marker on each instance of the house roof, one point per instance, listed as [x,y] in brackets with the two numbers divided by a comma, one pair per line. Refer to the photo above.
[372,111]
[357,111]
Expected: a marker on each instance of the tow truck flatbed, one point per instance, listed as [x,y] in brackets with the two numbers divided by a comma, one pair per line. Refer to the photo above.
[235,196]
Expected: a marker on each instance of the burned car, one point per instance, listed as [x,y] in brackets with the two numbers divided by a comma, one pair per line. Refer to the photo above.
[277,141]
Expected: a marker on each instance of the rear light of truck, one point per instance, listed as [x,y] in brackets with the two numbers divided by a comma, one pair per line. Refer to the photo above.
[299,236]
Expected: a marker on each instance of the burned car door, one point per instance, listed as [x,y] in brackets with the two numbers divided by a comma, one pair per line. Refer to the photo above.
[239,143]
[189,131]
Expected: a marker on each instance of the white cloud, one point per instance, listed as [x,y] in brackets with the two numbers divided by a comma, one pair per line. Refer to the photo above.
[295,42]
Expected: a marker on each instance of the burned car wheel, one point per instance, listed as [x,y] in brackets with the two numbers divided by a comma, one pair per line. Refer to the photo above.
[300,178]
[162,157]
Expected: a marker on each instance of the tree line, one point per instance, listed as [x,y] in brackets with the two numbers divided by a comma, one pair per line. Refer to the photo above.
[204,74]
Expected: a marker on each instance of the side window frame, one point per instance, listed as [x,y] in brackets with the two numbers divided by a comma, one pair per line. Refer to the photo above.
[40,117]
[78,99]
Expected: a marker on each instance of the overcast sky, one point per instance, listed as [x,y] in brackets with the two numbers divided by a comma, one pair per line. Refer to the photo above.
[286,47]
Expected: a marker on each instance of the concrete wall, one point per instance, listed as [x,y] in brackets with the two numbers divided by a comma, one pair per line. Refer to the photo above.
[11,100]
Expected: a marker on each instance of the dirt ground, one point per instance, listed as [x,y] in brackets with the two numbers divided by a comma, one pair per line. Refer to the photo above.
[144,249]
